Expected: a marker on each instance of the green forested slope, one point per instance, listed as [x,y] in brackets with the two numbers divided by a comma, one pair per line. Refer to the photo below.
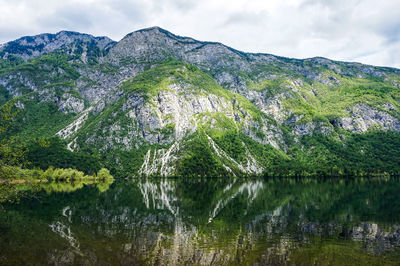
[160,104]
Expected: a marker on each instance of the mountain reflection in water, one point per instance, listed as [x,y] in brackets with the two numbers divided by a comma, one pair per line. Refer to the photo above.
[208,222]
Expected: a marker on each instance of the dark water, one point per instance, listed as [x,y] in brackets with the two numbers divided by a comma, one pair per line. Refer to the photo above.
[207,222]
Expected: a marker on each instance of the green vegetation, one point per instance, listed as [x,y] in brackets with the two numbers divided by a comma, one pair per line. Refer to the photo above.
[330,102]
[368,154]
[72,175]
[326,98]
[4,95]
[16,181]
[11,61]
[42,69]
[39,119]
[44,153]
[172,71]
[16,155]
[272,86]
[67,187]
[48,76]
[11,156]
[11,151]
[199,160]
[338,253]
[39,112]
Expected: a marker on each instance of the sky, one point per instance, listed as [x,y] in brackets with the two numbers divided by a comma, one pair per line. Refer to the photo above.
[366,31]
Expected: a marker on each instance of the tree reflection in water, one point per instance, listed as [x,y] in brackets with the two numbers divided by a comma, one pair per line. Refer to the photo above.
[209,221]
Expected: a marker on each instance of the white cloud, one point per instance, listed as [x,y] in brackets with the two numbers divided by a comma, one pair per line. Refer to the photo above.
[349,30]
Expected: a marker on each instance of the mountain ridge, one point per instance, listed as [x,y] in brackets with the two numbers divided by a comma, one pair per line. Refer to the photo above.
[155,103]
[168,33]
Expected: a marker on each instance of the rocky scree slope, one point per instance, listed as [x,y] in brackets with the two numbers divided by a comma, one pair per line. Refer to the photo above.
[159,104]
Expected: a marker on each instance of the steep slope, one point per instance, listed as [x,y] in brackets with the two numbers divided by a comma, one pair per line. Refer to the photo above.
[286,89]
[48,74]
[175,117]
[159,104]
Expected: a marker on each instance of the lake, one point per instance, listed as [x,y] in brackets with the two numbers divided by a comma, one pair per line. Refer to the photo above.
[306,221]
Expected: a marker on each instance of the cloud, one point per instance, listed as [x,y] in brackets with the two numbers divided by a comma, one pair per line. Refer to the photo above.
[246,18]
[390,29]
[182,5]
[70,17]
[339,29]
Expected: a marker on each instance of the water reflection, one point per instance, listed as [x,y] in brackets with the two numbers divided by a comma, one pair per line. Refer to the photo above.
[205,222]
[52,187]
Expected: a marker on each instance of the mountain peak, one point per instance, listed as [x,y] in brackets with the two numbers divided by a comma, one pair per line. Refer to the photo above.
[153,28]
[32,46]
[158,31]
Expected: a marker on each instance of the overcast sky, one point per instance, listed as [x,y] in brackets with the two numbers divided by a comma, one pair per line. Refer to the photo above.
[366,31]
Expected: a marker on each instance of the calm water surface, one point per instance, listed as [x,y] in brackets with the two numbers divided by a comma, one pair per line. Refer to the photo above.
[207,222]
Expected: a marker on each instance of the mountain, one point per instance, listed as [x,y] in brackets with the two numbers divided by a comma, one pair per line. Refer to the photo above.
[155,103]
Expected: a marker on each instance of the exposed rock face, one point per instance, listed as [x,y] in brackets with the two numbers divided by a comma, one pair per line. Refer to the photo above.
[364,117]
[34,46]
[310,128]
[178,110]
[70,104]
[67,103]
[272,106]
[74,126]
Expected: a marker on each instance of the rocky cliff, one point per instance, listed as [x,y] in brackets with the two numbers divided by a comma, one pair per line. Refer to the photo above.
[159,104]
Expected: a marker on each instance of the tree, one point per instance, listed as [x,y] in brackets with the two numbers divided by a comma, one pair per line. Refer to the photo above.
[11,155]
